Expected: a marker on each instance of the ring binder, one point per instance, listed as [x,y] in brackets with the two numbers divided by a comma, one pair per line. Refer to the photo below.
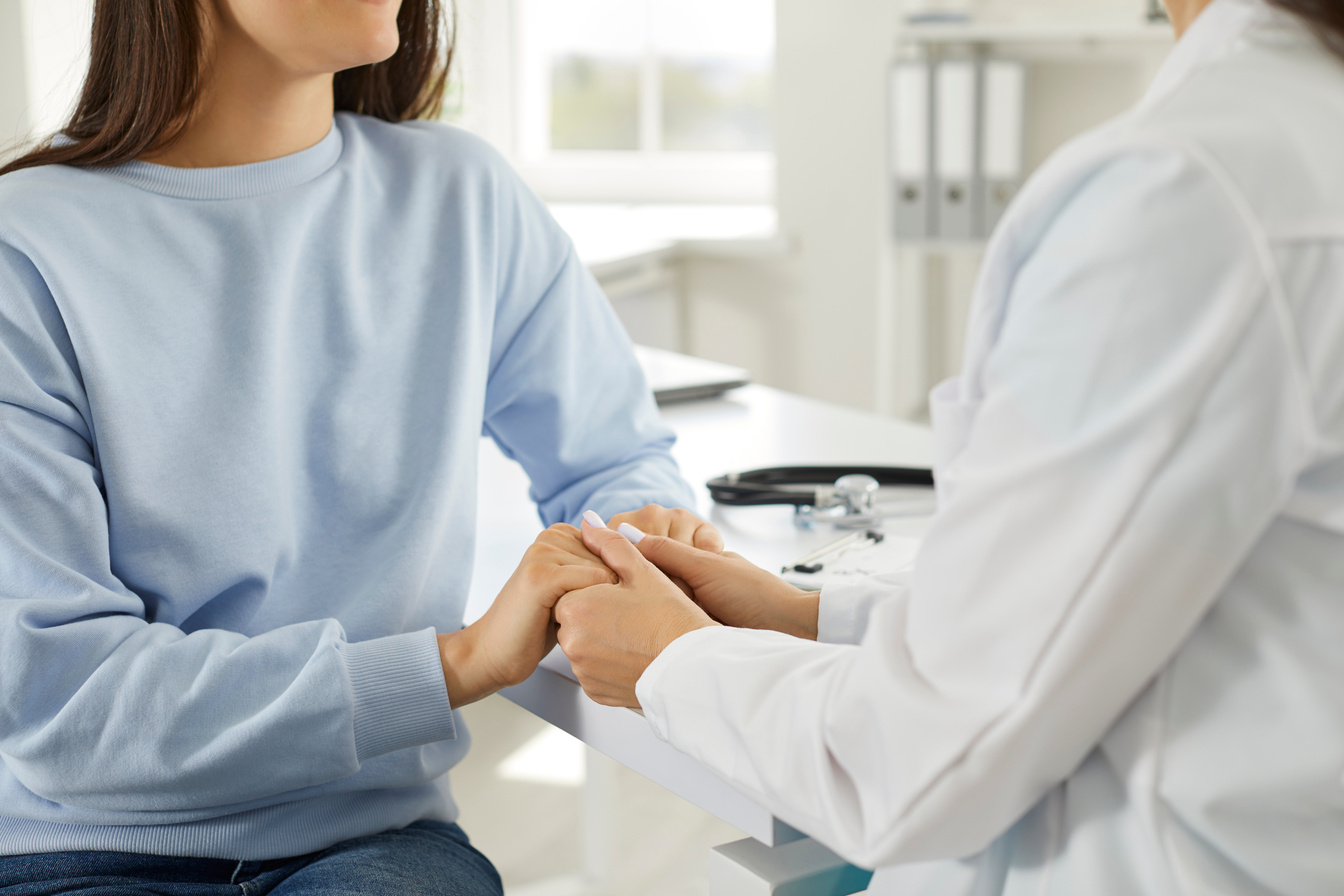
[955,128]
[911,138]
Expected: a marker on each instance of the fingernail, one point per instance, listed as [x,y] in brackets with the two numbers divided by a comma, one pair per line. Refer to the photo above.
[632,535]
[593,519]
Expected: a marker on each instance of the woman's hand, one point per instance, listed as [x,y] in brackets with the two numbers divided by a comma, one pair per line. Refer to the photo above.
[676,524]
[612,632]
[731,589]
[503,647]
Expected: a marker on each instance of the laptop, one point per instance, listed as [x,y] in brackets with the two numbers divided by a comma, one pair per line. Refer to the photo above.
[675,377]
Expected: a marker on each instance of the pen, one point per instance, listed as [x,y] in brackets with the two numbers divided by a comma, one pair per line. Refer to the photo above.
[811,563]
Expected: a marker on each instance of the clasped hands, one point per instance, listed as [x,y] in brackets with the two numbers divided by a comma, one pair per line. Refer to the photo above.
[614,596]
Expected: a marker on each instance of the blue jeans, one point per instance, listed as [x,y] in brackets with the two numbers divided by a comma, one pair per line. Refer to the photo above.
[429,858]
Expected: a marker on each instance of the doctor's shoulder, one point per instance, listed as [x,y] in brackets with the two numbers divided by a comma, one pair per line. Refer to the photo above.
[1268,120]
[1262,126]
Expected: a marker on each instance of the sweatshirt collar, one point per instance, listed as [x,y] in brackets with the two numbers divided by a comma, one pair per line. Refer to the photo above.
[236,181]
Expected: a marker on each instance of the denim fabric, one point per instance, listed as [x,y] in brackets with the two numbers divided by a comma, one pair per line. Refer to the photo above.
[428,858]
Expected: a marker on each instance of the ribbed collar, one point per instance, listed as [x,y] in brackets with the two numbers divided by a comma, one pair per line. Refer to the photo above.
[236,181]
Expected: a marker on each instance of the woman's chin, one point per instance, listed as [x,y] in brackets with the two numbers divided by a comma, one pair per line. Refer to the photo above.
[368,53]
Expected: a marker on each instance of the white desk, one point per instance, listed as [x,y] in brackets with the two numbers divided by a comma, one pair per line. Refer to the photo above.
[749,428]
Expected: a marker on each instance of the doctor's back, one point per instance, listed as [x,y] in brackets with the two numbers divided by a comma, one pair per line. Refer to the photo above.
[1226,774]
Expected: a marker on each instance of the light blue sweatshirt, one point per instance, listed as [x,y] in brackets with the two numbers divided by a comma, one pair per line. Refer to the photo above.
[239,418]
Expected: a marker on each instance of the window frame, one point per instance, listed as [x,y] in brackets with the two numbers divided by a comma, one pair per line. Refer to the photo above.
[643,175]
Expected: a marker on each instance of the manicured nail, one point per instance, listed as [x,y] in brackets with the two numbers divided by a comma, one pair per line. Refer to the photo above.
[632,535]
[593,519]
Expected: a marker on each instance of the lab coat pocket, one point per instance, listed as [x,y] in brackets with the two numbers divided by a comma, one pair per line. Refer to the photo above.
[952,415]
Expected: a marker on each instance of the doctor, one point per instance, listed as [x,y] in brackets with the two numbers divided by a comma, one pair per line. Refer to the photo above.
[1117,668]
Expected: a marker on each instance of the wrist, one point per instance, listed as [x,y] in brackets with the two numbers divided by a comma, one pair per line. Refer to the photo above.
[674,631]
[465,672]
[796,614]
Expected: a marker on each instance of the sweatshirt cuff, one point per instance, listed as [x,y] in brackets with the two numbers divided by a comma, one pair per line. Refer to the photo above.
[845,607]
[401,698]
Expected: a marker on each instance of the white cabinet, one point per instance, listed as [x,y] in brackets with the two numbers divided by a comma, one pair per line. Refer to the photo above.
[1079,73]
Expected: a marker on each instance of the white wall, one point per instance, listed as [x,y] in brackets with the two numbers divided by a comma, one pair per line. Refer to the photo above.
[58,59]
[812,322]
[14,120]
[43,59]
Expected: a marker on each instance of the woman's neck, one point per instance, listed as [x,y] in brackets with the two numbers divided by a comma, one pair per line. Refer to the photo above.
[1184,12]
[253,109]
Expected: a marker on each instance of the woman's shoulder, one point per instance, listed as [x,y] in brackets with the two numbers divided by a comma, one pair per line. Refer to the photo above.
[426,145]
[30,185]
[41,193]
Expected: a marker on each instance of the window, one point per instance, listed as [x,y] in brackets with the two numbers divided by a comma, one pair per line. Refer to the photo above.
[652,100]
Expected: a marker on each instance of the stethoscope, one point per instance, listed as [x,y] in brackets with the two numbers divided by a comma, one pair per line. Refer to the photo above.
[846,496]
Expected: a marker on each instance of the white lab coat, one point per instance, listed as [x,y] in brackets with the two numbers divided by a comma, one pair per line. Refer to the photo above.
[1118,666]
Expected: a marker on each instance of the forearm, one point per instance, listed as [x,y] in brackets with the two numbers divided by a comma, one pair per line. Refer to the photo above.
[568,400]
[211,718]
[646,475]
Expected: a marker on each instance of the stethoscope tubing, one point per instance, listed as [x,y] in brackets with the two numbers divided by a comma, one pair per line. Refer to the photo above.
[797,486]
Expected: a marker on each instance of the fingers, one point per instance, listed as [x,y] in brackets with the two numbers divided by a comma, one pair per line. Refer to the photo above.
[616,552]
[677,559]
[561,580]
[678,523]
[564,544]
[687,528]
[707,538]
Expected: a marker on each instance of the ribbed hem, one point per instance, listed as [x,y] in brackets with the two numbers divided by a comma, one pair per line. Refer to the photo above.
[273,832]
[401,699]
[236,181]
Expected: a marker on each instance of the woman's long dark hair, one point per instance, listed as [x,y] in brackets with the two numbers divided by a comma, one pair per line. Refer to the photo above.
[145,78]
[1326,18]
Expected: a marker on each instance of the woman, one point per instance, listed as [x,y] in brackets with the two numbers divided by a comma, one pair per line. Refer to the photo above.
[248,347]
[1116,667]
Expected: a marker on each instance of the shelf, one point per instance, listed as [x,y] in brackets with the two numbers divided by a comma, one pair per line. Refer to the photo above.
[1157,34]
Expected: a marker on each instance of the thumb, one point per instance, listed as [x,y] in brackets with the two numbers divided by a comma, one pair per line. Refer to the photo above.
[621,557]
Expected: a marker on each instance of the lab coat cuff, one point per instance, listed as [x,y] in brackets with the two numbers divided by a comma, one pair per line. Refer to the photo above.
[648,690]
[845,607]
[400,696]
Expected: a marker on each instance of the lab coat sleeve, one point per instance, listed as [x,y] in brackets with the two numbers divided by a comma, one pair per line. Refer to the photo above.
[845,607]
[1135,427]
[566,397]
[104,709]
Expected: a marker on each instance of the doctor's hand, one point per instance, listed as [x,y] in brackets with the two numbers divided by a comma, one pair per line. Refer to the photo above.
[674,523]
[611,633]
[731,589]
[504,646]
